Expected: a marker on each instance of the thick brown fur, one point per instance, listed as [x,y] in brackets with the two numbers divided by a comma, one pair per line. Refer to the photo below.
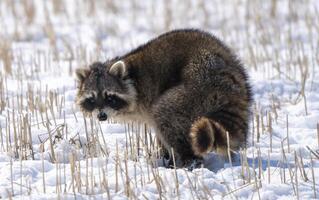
[186,83]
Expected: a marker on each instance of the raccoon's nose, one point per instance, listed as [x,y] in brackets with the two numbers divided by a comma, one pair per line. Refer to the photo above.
[102,116]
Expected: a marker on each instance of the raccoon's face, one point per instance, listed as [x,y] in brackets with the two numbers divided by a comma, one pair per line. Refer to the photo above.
[105,90]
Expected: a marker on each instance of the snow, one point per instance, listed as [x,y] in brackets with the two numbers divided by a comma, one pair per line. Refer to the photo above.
[118,161]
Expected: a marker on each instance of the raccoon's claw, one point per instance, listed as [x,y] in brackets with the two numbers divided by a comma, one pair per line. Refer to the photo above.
[193,164]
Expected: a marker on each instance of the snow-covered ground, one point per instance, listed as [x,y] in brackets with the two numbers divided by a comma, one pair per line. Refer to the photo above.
[48,150]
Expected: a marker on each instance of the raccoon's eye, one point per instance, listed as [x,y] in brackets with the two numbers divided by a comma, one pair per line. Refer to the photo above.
[88,104]
[110,100]
[115,102]
[91,100]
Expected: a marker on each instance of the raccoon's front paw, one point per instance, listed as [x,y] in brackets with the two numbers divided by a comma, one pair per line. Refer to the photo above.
[193,164]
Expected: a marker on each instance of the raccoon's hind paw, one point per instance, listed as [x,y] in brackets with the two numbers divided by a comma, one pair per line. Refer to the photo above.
[178,163]
[202,136]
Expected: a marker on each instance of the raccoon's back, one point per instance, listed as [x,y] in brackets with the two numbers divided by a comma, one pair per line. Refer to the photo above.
[172,58]
[176,47]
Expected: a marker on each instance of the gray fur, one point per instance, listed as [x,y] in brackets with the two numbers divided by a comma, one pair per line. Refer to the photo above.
[174,82]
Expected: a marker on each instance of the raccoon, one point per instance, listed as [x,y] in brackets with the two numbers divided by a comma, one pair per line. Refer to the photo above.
[186,83]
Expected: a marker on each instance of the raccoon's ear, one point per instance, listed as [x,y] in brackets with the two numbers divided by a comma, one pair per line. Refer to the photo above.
[118,69]
[81,73]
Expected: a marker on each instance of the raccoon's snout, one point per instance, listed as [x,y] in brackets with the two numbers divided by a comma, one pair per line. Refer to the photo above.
[102,116]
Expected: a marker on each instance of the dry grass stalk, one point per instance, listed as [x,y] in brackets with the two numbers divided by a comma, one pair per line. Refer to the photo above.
[242,165]
[270,131]
[87,176]
[6,56]
[117,160]
[20,161]
[30,10]
[92,177]
[1,138]
[260,171]
[262,124]
[258,127]
[72,169]
[127,179]
[282,162]
[2,95]
[48,29]
[301,167]
[57,177]
[78,177]
[296,175]
[229,154]
[43,174]
[313,152]
[17,136]
[287,127]
[8,135]
[175,174]
[53,158]
[11,175]
[192,188]
[58,6]
[268,167]
[313,178]
[246,164]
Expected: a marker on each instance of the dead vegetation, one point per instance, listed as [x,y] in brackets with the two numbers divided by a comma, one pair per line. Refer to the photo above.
[287,52]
